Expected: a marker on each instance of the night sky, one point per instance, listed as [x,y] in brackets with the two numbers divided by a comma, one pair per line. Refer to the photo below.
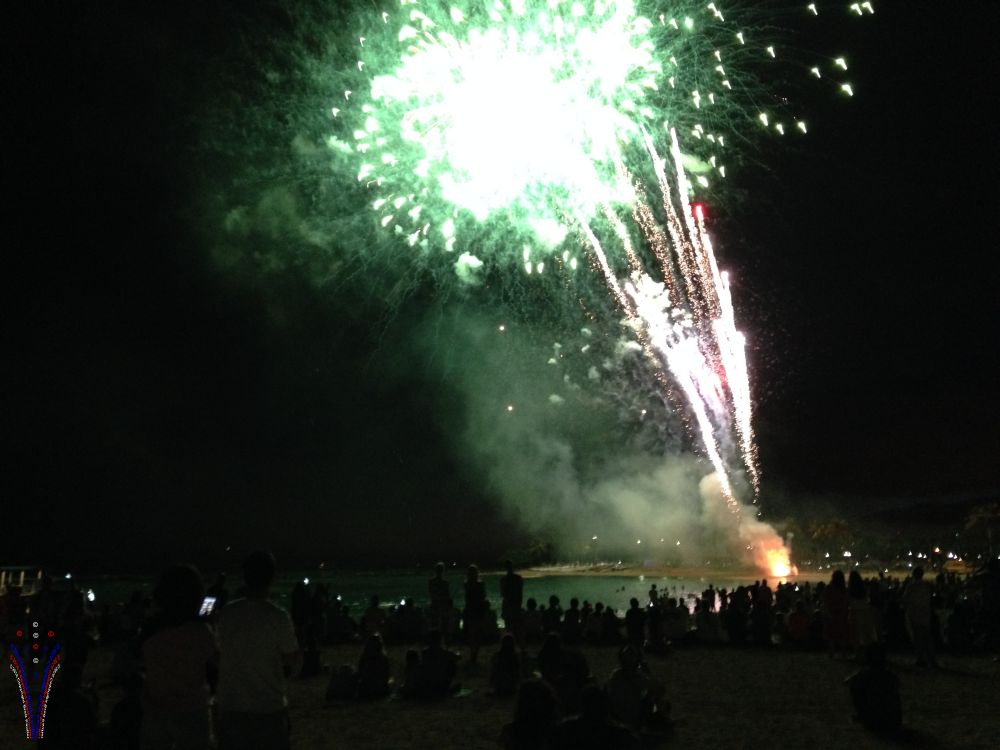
[158,408]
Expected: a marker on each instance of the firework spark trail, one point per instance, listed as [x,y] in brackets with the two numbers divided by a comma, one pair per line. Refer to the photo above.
[676,350]
[668,336]
[732,345]
[725,347]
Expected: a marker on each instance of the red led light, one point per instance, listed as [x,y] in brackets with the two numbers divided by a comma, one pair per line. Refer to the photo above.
[52,634]
[20,633]
[34,646]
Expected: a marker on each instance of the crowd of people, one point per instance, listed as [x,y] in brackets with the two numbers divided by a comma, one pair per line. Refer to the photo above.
[190,672]
[843,615]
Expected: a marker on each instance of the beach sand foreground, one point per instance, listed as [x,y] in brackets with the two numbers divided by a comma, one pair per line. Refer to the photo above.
[721,698]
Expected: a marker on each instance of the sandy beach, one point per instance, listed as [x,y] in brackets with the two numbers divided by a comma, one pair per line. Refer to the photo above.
[721,698]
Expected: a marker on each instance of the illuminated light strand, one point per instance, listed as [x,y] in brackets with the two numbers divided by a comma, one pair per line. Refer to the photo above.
[43,700]
[27,723]
[22,682]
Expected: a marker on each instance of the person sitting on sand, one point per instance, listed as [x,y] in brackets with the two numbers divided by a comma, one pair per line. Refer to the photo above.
[532,622]
[875,693]
[637,698]
[536,712]
[571,627]
[552,616]
[343,628]
[438,666]
[611,627]
[707,625]
[676,620]
[505,668]
[592,626]
[373,670]
[594,728]
[413,676]
[565,669]
[798,625]
[373,619]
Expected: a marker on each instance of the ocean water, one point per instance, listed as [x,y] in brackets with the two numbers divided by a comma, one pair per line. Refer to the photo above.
[356,588]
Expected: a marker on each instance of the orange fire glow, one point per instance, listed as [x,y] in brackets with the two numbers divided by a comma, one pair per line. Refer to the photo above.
[778,562]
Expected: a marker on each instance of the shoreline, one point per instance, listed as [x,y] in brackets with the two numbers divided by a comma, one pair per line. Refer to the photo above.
[708,574]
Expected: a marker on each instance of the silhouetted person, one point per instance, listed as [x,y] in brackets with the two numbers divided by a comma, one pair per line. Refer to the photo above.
[565,669]
[505,668]
[532,622]
[179,654]
[475,612]
[373,670]
[637,698]
[635,623]
[512,594]
[300,609]
[536,712]
[571,623]
[875,693]
[258,651]
[610,626]
[552,616]
[313,630]
[440,595]
[373,619]
[413,676]
[439,666]
[594,728]
[798,625]
[343,628]
[860,614]
[836,626]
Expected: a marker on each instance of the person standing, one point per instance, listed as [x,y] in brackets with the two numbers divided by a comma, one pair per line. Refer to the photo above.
[258,650]
[441,604]
[916,603]
[512,594]
[474,614]
[179,655]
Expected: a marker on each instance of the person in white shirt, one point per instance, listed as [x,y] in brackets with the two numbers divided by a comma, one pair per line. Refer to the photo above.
[258,650]
[917,603]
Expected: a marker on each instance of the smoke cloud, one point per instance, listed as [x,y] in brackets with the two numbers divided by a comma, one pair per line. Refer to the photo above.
[575,445]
